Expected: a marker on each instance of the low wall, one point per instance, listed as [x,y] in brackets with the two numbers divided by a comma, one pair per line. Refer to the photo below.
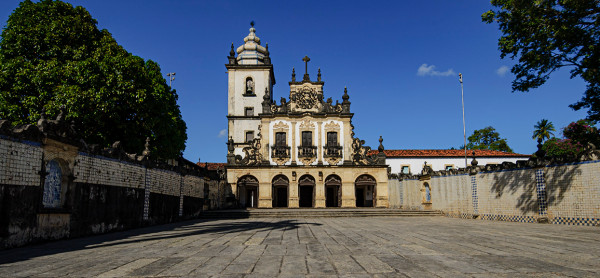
[561,194]
[50,190]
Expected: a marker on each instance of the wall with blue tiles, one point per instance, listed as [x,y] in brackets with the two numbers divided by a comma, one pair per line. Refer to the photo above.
[559,194]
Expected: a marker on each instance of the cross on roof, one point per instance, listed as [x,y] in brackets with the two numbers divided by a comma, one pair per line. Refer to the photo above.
[306,60]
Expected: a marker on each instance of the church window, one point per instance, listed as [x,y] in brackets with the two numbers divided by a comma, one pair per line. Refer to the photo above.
[52,185]
[249,111]
[249,86]
[306,138]
[249,136]
[332,139]
[280,139]
[405,170]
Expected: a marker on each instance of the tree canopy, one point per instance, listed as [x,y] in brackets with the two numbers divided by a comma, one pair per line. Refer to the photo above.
[547,35]
[53,54]
[543,130]
[487,139]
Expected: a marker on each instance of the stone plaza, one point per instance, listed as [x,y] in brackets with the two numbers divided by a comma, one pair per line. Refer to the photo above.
[319,247]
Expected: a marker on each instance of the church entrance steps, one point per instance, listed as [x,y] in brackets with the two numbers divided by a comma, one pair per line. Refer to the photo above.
[312,213]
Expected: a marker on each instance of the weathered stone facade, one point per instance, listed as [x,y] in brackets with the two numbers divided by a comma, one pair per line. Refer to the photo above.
[300,152]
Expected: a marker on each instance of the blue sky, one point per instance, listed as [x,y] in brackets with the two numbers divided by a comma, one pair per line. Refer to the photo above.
[399,59]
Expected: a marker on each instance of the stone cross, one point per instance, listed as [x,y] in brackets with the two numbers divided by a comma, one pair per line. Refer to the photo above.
[306,60]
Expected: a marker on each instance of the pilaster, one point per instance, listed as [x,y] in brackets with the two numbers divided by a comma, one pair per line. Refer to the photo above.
[348,194]
[264,195]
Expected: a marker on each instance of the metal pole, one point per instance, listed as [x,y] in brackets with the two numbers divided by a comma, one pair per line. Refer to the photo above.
[171,76]
[462,96]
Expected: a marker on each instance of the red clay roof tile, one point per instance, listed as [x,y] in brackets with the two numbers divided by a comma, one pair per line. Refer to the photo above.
[447,153]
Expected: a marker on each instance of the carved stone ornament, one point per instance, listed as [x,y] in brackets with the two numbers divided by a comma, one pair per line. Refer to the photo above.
[280,125]
[280,160]
[307,160]
[252,155]
[360,154]
[332,126]
[306,98]
[307,124]
[333,180]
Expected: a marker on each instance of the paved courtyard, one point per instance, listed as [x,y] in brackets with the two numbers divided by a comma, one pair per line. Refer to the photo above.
[320,247]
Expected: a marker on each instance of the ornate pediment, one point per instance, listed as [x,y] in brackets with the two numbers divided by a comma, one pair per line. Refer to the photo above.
[307,124]
[280,125]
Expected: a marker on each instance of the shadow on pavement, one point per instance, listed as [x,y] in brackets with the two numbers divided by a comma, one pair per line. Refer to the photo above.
[153,233]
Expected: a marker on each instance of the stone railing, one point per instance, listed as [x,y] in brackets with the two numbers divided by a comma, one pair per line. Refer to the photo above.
[280,152]
[307,151]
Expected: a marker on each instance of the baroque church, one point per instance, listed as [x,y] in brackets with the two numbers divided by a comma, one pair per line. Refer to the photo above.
[300,152]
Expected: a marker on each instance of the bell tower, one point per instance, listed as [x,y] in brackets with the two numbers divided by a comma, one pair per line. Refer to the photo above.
[250,81]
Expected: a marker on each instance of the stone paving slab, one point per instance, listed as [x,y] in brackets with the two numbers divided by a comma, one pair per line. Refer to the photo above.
[319,247]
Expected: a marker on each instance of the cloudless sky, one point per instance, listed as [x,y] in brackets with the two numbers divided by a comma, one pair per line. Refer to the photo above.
[377,49]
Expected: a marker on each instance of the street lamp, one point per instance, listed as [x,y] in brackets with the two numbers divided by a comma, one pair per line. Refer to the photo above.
[462,96]
[171,76]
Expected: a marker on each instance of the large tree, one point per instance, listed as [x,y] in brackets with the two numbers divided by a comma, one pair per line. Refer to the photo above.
[53,54]
[547,35]
[487,139]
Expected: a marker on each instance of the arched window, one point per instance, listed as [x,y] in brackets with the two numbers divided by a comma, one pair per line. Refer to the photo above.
[249,86]
[52,185]
[427,193]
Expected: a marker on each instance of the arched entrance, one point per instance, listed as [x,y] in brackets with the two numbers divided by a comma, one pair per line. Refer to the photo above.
[248,191]
[306,189]
[280,187]
[365,186]
[333,183]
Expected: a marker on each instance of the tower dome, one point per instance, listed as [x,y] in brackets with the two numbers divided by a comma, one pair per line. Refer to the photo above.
[251,52]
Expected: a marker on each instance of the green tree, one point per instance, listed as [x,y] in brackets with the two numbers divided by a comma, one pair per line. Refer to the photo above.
[543,130]
[561,147]
[53,54]
[547,35]
[487,139]
[582,132]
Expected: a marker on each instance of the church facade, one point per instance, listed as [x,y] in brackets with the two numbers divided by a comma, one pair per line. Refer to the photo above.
[300,152]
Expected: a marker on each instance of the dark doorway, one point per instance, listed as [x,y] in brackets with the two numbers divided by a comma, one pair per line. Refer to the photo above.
[251,197]
[333,183]
[360,197]
[281,197]
[331,196]
[306,196]
[280,191]
[248,192]
[306,185]
[365,187]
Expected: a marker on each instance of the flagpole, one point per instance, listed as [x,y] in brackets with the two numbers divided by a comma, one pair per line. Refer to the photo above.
[462,96]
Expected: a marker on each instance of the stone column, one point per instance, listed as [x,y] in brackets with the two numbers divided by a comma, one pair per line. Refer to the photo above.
[293,194]
[293,147]
[264,195]
[348,194]
[319,192]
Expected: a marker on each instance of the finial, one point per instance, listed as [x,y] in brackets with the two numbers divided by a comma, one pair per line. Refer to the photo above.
[345,97]
[266,96]
[267,49]
[380,148]
[306,60]
[252,23]
[293,74]
[231,52]
[319,75]
[474,161]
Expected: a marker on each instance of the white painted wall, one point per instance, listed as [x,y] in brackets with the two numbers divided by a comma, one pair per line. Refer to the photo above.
[436,163]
